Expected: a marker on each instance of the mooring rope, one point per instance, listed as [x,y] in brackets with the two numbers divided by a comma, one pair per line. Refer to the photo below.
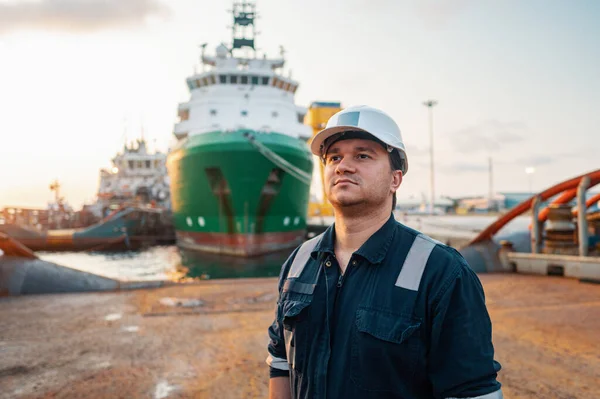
[292,170]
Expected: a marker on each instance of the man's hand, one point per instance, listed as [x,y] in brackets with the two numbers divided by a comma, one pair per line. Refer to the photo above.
[279,388]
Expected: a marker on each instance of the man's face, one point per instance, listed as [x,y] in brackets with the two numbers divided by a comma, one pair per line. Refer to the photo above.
[358,173]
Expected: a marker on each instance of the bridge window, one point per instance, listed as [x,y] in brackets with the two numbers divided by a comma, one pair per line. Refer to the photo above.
[280,84]
[274,82]
[244,113]
[265,80]
[233,79]
[204,81]
[213,112]
[293,88]
[244,79]
[198,83]
[212,79]
[286,86]
[222,79]
[148,164]
[254,80]
[184,114]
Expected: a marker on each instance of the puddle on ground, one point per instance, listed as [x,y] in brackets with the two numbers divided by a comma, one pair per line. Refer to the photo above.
[163,389]
[181,302]
[113,316]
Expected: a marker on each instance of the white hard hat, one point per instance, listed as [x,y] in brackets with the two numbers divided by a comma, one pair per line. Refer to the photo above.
[366,119]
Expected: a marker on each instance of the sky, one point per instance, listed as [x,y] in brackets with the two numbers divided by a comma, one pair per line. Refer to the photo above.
[516,81]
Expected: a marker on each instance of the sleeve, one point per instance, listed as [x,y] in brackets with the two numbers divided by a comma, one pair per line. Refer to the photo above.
[461,356]
[277,358]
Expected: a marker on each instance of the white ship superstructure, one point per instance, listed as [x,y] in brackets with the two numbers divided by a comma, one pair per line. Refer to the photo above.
[136,176]
[233,92]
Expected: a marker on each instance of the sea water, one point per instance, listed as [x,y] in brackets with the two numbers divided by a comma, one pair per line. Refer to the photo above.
[173,263]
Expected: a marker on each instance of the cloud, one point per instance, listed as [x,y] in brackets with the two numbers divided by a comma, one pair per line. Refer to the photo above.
[587,152]
[465,168]
[436,14]
[77,15]
[413,151]
[546,159]
[539,160]
[487,136]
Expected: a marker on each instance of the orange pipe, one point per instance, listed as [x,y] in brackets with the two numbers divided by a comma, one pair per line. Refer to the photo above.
[524,206]
[565,197]
[562,199]
[588,203]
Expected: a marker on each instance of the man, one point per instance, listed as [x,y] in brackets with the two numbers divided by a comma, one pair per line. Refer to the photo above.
[372,308]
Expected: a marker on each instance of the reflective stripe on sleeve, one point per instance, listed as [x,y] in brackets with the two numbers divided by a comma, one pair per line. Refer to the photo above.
[278,363]
[302,288]
[414,264]
[492,395]
[302,257]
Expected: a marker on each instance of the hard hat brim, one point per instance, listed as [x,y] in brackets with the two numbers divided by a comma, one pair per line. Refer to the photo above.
[317,141]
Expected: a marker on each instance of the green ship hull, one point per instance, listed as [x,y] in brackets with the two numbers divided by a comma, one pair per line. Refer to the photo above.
[229,198]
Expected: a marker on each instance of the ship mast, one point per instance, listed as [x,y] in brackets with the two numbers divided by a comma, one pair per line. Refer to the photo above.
[55,187]
[243,38]
[243,30]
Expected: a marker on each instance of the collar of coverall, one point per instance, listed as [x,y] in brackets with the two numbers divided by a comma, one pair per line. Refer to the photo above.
[373,250]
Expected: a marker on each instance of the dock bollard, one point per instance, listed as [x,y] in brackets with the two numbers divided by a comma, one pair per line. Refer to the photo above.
[505,248]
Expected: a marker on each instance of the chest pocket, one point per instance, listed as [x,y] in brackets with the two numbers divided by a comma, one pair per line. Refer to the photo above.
[385,350]
[294,316]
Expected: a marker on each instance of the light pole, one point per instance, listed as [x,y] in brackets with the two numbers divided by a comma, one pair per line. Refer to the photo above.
[429,104]
[492,202]
[530,171]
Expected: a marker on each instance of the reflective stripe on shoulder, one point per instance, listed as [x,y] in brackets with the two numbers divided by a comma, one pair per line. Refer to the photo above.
[278,363]
[414,264]
[492,395]
[302,256]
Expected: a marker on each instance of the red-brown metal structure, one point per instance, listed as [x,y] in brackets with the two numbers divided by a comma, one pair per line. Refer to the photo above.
[12,247]
[568,188]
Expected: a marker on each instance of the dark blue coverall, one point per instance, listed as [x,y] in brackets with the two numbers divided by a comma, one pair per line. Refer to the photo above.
[406,320]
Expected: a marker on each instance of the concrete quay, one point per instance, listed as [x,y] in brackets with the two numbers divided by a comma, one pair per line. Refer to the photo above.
[208,340]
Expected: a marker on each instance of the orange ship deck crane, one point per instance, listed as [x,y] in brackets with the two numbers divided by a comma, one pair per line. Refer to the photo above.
[317,116]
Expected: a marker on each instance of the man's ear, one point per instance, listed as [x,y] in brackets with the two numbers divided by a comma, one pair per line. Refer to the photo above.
[396,180]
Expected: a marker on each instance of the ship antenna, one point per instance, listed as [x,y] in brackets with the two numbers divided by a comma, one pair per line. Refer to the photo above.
[244,30]
[203,47]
